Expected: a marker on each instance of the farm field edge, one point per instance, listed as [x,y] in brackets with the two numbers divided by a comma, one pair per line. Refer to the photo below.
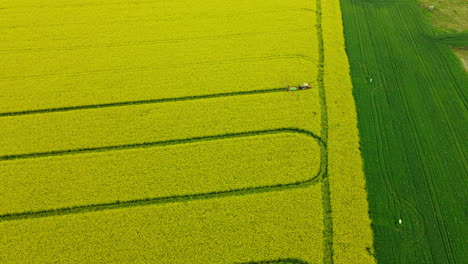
[411,108]
[352,234]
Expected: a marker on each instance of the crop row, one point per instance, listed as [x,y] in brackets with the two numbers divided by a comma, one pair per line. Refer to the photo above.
[107,17]
[143,58]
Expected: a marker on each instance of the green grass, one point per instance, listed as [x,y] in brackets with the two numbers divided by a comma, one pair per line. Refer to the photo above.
[447,15]
[412,118]
[453,39]
[463,55]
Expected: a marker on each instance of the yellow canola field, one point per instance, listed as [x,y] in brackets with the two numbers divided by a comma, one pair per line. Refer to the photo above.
[86,52]
[157,172]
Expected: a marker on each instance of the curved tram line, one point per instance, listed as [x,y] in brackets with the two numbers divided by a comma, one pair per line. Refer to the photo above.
[171,199]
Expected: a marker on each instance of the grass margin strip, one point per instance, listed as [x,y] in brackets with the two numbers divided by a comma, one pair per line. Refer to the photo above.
[351,230]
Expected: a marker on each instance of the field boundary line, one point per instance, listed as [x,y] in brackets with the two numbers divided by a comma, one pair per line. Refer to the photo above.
[346,175]
[189,197]
[325,187]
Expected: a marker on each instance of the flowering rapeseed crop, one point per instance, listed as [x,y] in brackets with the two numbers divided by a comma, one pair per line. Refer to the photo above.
[162,132]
